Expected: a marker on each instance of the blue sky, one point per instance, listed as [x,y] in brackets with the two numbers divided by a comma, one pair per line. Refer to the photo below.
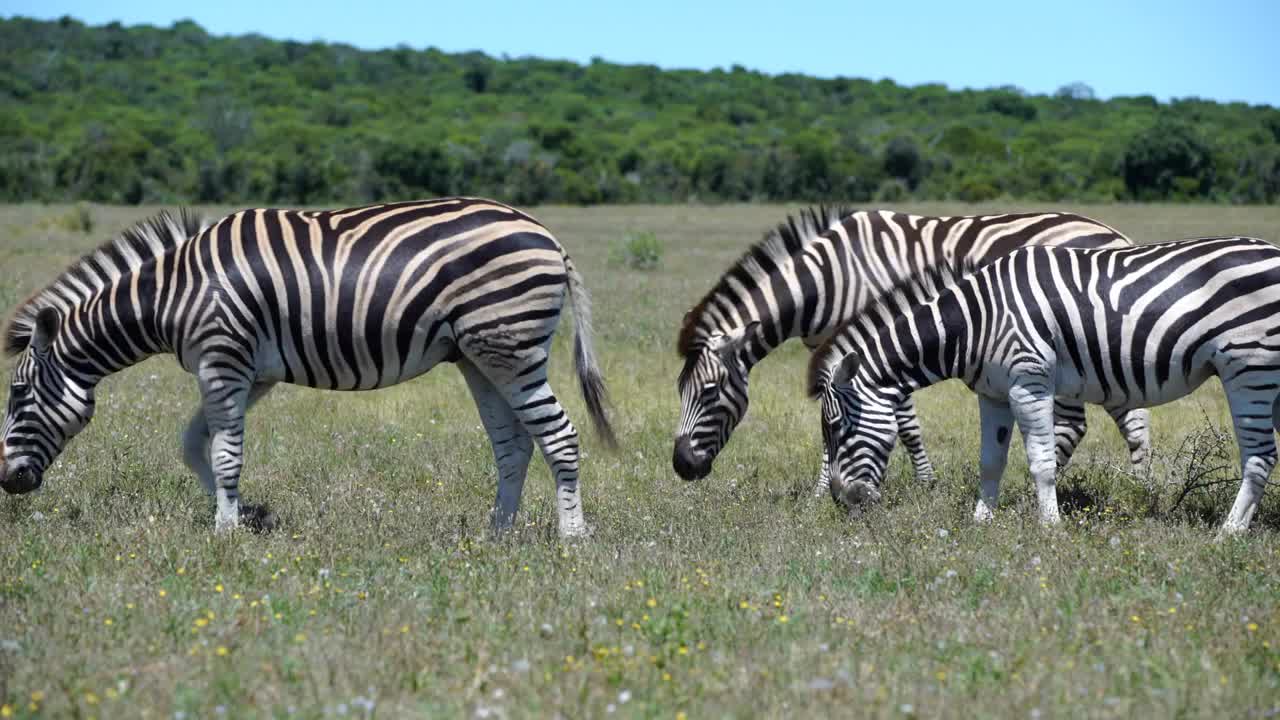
[1225,50]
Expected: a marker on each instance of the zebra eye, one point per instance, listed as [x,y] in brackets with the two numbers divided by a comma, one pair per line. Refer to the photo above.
[19,390]
[710,392]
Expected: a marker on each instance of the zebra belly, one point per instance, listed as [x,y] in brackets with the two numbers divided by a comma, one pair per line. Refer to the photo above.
[357,364]
[1089,385]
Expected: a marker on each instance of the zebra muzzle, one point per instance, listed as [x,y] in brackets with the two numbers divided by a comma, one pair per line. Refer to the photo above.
[688,463]
[859,494]
[19,480]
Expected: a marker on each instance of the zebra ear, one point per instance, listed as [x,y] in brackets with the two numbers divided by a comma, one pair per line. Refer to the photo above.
[48,320]
[844,371]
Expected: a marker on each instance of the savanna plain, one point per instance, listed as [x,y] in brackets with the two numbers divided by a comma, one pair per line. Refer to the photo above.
[383,594]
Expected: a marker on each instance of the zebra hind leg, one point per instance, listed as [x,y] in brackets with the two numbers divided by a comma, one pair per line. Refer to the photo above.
[195,454]
[512,445]
[1255,434]
[530,398]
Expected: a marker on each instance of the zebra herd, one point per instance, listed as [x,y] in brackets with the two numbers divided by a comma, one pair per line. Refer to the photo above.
[1037,313]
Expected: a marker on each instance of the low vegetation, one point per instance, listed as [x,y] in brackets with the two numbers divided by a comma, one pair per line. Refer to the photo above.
[639,251]
[740,595]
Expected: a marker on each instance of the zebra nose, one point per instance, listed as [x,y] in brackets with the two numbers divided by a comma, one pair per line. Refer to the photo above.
[686,461]
[21,480]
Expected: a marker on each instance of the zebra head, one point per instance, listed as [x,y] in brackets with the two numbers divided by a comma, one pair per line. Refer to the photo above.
[713,400]
[859,428]
[47,407]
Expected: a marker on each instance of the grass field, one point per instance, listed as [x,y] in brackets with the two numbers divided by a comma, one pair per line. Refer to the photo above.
[740,595]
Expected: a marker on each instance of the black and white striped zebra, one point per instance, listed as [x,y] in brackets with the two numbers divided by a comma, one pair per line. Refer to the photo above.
[1124,328]
[818,270]
[350,299]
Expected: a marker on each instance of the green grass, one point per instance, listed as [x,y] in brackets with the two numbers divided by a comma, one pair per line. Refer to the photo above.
[735,596]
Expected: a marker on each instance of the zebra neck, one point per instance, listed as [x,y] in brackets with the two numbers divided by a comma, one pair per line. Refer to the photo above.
[921,351]
[115,328]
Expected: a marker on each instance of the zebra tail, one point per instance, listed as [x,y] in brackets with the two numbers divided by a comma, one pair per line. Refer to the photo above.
[584,357]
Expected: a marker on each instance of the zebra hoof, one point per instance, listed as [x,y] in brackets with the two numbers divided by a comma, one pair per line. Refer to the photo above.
[577,532]
[258,518]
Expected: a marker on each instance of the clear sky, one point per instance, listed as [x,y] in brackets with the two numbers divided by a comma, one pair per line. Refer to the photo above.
[1224,50]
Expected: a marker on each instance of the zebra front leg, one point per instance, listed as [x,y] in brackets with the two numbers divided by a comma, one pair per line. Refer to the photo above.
[913,440]
[1033,409]
[195,440]
[823,485]
[1069,427]
[225,401]
[512,446]
[1255,434]
[997,425]
[195,450]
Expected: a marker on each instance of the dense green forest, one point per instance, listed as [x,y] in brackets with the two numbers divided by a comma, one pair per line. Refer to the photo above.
[145,114]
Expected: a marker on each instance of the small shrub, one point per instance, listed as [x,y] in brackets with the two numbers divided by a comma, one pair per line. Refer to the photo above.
[892,191]
[977,191]
[77,219]
[1195,480]
[639,251]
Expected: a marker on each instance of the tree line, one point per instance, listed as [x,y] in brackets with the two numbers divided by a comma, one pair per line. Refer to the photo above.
[158,115]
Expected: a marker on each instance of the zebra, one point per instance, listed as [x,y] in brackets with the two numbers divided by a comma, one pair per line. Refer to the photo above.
[1124,328]
[820,268]
[351,299]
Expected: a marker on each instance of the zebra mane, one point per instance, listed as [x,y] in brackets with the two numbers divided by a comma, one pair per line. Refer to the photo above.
[778,246]
[131,249]
[825,364]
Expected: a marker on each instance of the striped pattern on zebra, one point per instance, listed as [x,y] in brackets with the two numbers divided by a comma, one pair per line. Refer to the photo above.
[819,269]
[1123,328]
[350,299]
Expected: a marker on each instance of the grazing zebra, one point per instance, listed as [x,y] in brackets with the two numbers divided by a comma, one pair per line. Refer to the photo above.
[351,299]
[814,272]
[1124,328]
